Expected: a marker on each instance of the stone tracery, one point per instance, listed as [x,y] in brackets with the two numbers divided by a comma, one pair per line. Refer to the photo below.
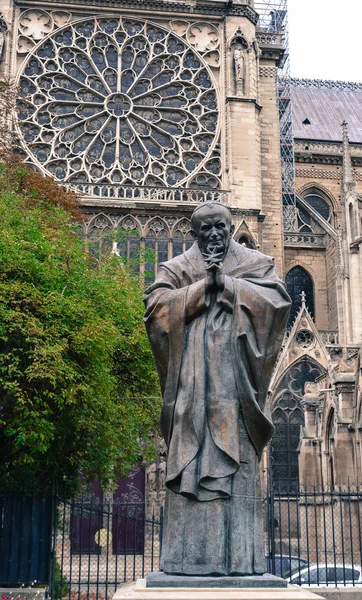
[119,101]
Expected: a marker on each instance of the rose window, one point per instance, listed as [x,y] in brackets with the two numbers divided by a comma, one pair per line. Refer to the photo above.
[120,101]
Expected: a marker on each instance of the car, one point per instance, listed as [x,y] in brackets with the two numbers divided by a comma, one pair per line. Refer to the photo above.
[285,564]
[324,575]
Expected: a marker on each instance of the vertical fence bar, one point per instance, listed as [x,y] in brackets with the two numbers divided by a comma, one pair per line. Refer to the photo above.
[21,544]
[107,551]
[152,539]
[289,536]
[359,499]
[125,545]
[280,514]
[115,528]
[74,511]
[11,529]
[134,544]
[53,555]
[62,551]
[30,542]
[80,550]
[316,531]
[99,554]
[297,500]
[324,528]
[333,532]
[161,535]
[342,533]
[307,528]
[351,533]
[90,508]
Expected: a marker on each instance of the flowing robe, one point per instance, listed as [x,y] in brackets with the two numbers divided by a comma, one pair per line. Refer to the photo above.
[215,354]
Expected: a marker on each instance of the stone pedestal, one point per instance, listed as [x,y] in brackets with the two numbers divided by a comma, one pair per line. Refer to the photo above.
[138,591]
[162,580]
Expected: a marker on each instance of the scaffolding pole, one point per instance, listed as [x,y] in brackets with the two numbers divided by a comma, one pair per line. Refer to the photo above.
[273,18]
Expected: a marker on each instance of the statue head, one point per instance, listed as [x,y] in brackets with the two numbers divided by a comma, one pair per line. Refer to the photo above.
[211,226]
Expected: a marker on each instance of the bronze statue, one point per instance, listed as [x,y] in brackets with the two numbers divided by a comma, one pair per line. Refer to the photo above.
[215,317]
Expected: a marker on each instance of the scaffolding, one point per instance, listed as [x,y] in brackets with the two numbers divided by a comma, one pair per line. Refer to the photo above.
[273,18]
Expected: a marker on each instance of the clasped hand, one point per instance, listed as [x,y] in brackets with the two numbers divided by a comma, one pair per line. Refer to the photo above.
[215,279]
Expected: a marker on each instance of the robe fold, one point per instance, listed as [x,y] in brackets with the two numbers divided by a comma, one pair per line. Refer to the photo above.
[215,353]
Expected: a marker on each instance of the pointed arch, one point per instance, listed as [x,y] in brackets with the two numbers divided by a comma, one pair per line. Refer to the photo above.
[128,239]
[298,280]
[99,237]
[312,372]
[130,222]
[182,239]
[244,236]
[247,240]
[183,225]
[317,198]
[100,221]
[157,224]
[288,418]
[157,241]
[318,188]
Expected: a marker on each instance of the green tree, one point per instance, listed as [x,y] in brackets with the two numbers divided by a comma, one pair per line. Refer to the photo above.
[78,388]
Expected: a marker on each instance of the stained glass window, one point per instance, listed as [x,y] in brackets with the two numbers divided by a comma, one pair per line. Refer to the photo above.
[108,100]
[181,242]
[298,281]
[288,417]
[320,205]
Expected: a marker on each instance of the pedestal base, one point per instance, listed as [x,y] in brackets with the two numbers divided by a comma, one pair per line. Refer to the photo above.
[138,591]
[162,580]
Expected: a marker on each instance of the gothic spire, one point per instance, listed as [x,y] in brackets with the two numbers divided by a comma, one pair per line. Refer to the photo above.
[348,174]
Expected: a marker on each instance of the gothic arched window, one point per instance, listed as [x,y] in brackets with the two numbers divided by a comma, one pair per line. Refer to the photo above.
[156,249]
[319,204]
[182,239]
[129,242]
[298,281]
[316,200]
[99,239]
[248,241]
[288,418]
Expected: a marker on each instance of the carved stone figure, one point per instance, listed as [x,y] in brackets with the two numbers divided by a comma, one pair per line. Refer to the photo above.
[162,474]
[152,477]
[215,317]
[3,29]
[239,69]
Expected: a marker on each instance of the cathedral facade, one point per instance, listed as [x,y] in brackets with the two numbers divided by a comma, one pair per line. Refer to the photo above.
[148,108]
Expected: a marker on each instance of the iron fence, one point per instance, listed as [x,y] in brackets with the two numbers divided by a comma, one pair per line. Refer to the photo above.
[313,537]
[98,545]
[25,539]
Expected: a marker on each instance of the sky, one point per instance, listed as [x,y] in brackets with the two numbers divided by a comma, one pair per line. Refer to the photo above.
[325,39]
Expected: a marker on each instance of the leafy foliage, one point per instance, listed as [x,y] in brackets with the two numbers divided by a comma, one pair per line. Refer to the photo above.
[78,388]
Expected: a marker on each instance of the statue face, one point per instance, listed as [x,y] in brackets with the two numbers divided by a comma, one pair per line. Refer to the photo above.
[213,229]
